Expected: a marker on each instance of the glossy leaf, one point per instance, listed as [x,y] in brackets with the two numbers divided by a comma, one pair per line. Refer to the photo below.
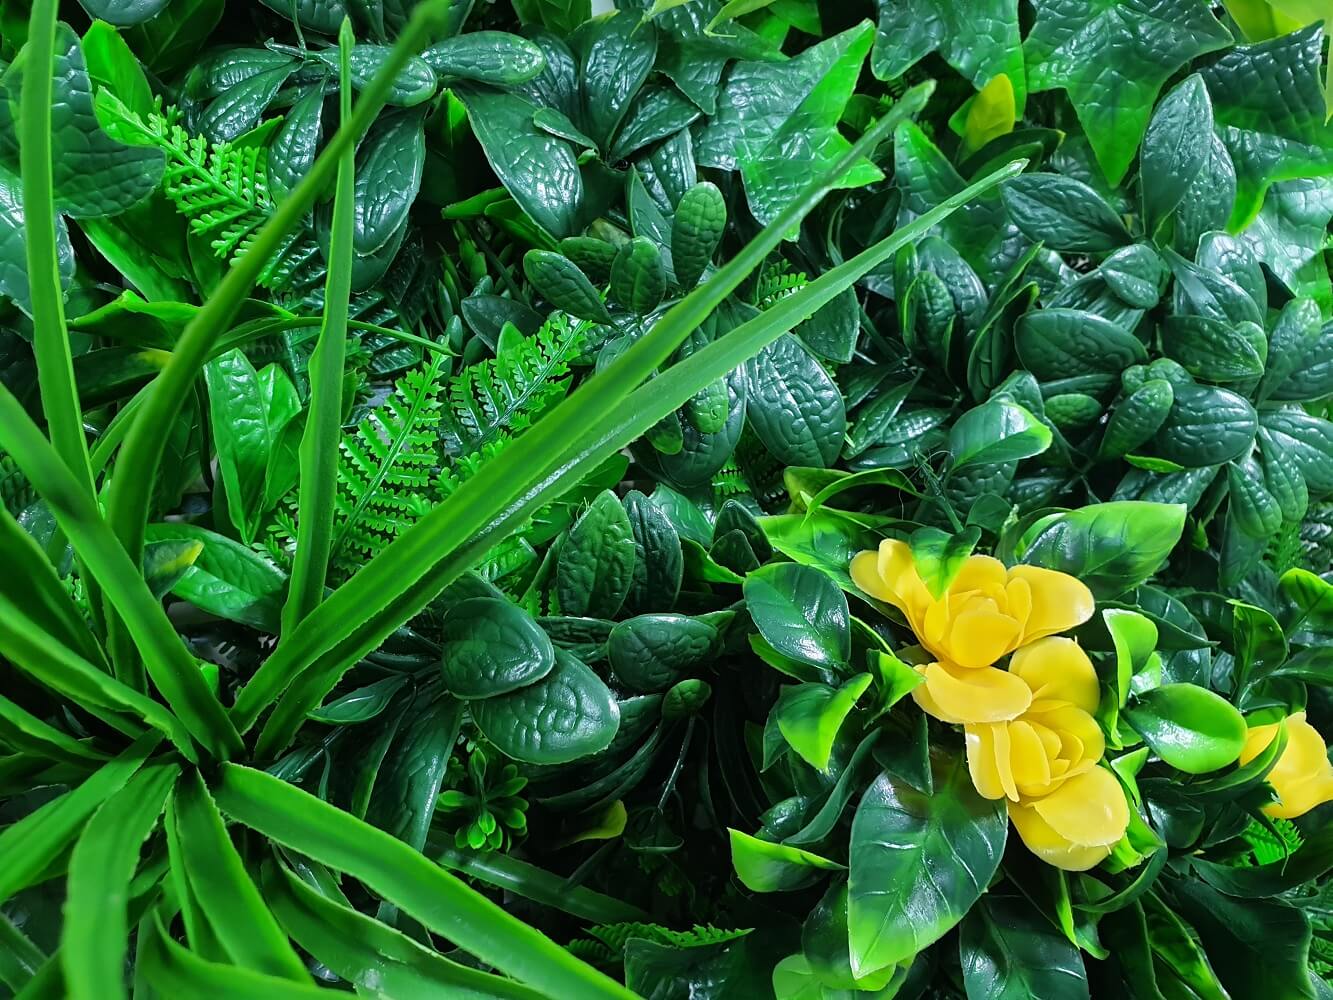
[801,613]
[490,647]
[569,713]
[809,716]
[1189,727]
[918,862]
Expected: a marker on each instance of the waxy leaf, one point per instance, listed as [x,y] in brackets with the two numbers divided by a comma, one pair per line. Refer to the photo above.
[777,121]
[1010,951]
[1188,726]
[763,866]
[809,716]
[801,612]
[568,714]
[1113,58]
[1111,547]
[918,862]
[596,563]
[490,647]
[94,174]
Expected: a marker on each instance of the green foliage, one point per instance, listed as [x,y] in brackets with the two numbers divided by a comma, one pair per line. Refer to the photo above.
[435,440]
[223,190]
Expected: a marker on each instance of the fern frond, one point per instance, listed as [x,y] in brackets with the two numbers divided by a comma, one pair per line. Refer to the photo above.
[616,936]
[388,468]
[509,392]
[592,952]
[221,189]
[777,281]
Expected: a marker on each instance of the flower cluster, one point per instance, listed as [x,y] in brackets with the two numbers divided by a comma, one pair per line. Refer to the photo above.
[1030,732]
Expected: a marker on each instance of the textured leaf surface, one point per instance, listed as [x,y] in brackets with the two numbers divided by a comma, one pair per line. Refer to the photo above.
[568,714]
[1113,59]
[94,174]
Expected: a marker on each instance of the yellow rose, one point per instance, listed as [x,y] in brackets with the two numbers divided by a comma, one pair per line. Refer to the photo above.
[1076,826]
[1303,776]
[988,610]
[1054,739]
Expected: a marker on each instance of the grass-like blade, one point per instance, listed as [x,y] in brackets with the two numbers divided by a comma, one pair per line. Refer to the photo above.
[178,973]
[23,731]
[50,341]
[539,885]
[524,467]
[20,959]
[35,841]
[95,935]
[409,880]
[31,580]
[225,893]
[323,430]
[168,661]
[199,933]
[28,647]
[373,955]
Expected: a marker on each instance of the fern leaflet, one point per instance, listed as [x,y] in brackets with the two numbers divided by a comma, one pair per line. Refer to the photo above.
[512,390]
[388,468]
[221,189]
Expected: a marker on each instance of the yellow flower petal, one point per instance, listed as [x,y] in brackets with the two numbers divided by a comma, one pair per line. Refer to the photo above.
[981,635]
[1303,776]
[1057,668]
[1302,796]
[1081,738]
[961,694]
[984,573]
[1018,600]
[865,574]
[1042,840]
[921,695]
[1257,740]
[1031,767]
[897,567]
[1059,601]
[1088,810]
[981,763]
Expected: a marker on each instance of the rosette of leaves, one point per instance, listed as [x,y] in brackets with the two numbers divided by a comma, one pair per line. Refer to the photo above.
[489,810]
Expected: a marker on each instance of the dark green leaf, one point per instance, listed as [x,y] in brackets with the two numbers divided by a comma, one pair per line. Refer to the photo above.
[794,406]
[491,647]
[1175,147]
[1009,951]
[1112,59]
[568,714]
[1111,547]
[1063,213]
[596,563]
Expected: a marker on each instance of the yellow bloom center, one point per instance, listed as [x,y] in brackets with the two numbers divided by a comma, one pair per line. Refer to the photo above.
[1055,739]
